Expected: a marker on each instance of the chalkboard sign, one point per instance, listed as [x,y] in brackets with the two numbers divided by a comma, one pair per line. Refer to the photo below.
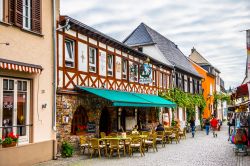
[91,127]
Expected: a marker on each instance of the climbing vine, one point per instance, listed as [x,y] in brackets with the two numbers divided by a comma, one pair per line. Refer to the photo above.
[185,100]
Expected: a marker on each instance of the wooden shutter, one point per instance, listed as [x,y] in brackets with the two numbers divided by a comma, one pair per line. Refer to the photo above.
[36,16]
[19,13]
[11,11]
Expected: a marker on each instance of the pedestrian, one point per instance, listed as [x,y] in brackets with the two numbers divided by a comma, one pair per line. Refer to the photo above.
[192,125]
[160,127]
[207,126]
[214,125]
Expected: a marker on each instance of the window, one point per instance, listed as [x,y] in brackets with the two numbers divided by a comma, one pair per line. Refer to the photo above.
[176,80]
[124,68]
[92,59]
[1,10]
[136,70]
[164,81]
[110,65]
[183,83]
[160,79]
[194,86]
[188,85]
[140,49]
[27,14]
[154,77]
[69,53]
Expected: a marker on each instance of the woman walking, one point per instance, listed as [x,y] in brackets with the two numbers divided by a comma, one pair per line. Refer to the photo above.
[192,125]
[207,126]
[214,125]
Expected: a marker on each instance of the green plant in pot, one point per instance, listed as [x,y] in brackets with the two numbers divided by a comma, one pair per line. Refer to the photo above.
[10,140]
[67,149]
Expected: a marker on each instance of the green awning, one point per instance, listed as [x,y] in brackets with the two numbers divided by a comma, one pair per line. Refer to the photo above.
[129,99]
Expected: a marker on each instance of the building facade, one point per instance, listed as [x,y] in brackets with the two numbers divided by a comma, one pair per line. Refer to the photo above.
[26,79]
[184,77]
[95,73]
[212,84]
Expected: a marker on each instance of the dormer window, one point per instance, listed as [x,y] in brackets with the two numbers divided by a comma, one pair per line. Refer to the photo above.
[69,53]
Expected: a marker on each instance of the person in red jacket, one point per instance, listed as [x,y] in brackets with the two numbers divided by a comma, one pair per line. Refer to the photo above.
[214,125]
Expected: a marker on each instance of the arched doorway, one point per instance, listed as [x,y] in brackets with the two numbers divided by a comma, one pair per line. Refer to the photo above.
[105,122]
[79,121]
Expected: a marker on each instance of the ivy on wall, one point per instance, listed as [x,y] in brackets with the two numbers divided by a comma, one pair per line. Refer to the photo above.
[185,100]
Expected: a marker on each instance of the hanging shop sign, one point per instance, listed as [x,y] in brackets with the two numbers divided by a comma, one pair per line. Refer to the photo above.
[145,74]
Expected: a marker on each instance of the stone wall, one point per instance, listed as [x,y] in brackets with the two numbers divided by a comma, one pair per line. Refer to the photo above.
[67,105]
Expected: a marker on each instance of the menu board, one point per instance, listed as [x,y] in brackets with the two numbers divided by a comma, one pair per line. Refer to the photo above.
[91,127]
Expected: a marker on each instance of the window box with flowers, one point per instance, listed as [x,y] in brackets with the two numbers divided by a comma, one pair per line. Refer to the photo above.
[10,141]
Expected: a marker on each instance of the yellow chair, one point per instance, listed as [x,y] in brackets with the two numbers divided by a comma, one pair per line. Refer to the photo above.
[161,137]
[113,134]
[84,143]
[135,144]
[182,133]
[103,134]
[152,142]
[114,144]
[95,146]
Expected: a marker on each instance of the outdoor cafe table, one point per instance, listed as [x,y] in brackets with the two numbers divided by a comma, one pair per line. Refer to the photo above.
[123,139]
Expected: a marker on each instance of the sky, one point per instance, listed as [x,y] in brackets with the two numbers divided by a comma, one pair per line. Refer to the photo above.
[214,27]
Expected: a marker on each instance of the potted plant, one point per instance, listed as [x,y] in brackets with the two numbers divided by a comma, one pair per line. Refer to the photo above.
[10,141]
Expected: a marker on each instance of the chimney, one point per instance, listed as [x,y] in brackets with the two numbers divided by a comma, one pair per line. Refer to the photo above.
[192,50]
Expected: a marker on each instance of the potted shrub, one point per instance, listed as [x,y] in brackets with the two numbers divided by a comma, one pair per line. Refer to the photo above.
[67,149]
[10,141]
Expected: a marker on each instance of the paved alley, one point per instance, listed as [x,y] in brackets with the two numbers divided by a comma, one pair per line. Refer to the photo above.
[201,150]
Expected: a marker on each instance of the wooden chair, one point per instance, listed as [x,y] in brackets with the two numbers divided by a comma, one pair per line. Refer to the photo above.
[115,145]
[151,142]
[161,137]
[135,144]
[113,134]
[95,146]
[84,143]
[103,134]
[175,136]
[182,133]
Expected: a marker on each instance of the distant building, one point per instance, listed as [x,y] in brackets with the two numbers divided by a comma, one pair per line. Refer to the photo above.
[211,84]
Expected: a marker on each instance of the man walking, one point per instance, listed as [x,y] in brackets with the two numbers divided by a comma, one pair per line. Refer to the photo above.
[207,126]
[214,124]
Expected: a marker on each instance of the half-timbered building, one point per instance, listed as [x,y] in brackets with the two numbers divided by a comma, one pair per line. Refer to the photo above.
[105,85]
[185,77]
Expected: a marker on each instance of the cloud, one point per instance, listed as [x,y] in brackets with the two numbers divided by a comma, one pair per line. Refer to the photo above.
[212,26]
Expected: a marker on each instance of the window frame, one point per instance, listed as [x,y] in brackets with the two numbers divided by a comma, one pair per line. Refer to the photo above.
[112,65]
[154,75]
[73,59]
[28,17]
[92,65]
[1,10]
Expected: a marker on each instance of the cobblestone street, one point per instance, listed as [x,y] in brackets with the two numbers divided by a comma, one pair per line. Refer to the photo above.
[201,150]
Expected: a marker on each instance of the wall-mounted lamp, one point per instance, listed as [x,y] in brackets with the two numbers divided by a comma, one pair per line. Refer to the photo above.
[66,26]
[7,44]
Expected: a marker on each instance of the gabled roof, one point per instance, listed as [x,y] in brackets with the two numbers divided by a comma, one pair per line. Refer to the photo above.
[144,35]
[198,58]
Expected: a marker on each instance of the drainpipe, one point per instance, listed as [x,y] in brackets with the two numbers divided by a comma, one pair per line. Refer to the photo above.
[54,67]
[54,79]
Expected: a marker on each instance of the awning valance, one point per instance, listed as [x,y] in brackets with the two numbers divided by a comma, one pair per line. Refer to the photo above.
[19,66]
[129,99]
